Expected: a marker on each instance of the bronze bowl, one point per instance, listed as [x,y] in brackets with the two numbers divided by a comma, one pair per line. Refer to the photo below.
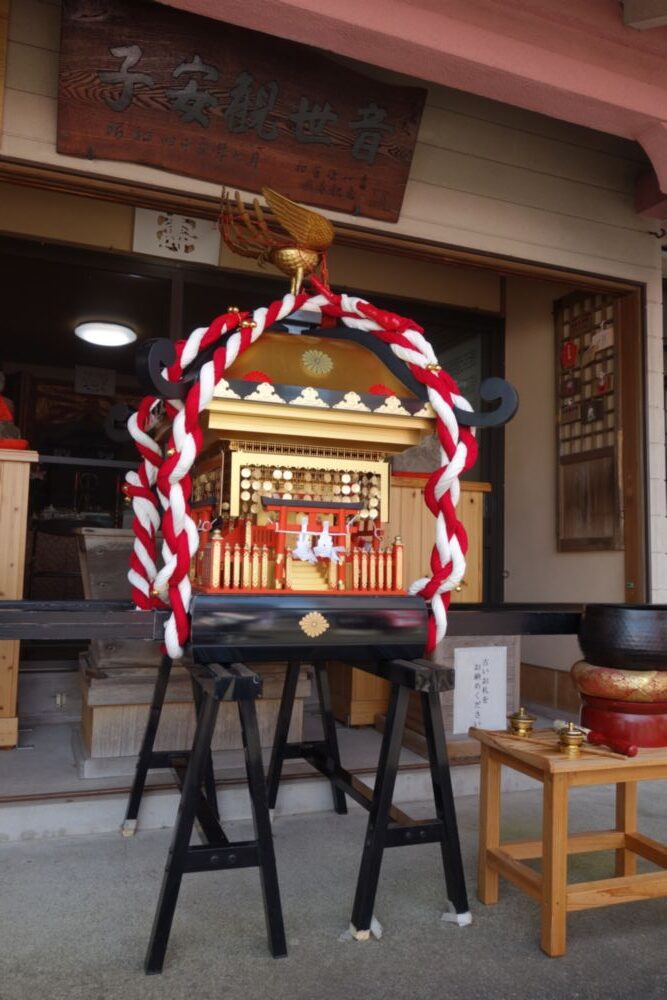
[627,636]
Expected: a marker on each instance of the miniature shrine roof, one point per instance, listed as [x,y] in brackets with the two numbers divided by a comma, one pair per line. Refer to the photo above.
[319,361]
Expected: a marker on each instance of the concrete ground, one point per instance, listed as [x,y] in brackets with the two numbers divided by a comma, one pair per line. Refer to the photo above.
[75,915]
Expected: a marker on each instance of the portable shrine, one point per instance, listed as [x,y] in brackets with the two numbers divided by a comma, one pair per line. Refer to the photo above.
[292,489]
[266,440]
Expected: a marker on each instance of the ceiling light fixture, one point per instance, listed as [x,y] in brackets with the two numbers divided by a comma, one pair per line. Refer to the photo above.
[105,334]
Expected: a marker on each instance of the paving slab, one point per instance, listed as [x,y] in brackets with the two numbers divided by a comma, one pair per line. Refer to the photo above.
[75,915]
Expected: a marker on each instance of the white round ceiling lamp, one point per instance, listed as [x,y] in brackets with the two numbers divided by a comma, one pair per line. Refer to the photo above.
[105,334]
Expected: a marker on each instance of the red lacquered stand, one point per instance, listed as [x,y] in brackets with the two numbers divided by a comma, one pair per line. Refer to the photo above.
[641,723]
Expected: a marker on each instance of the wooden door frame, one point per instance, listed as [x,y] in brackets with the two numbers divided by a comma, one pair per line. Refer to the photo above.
[631,310]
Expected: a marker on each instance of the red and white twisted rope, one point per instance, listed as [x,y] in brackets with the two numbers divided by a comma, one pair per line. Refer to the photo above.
[166,476]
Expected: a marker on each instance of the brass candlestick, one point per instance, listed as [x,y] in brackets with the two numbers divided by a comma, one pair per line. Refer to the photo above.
[571,739]
[521,722]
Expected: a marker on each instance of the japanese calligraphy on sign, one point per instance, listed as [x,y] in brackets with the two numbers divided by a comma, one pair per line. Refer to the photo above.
[148,84]
[164,234]
[480,692]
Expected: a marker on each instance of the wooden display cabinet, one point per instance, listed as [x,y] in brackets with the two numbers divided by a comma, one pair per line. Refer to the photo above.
[14,482]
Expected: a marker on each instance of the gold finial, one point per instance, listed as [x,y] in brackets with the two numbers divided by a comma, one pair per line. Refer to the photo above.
[571,739]
[295,239]
[521,722]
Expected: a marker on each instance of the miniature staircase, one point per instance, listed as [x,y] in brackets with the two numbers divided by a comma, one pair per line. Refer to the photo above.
[307,576]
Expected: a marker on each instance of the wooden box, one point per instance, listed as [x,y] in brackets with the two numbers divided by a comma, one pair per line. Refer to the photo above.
[116,703]
[118,676]
[104,557]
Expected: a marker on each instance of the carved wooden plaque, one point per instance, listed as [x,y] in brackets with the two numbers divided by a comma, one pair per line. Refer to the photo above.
[148,84]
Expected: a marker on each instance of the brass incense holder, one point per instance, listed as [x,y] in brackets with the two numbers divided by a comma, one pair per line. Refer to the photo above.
[571,739]
[521,722]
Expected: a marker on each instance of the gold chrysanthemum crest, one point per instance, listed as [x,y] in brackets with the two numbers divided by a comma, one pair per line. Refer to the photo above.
[313,624]
[316,362]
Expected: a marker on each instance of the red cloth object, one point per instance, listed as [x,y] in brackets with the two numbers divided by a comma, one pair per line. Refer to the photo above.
[19,444]
[5,412]
[381,390]
[568,354]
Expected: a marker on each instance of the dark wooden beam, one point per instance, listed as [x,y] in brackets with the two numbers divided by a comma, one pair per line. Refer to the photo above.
[649,199]
[42,620]
[50,620]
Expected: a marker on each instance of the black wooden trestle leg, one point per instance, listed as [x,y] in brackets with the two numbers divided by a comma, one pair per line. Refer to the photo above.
[378,819]
[216,683]
[208,781]
[330,737]
[149,759]
[444,803]
[322,754]
[262,824]
[176,861]
[146,752]
[282,730]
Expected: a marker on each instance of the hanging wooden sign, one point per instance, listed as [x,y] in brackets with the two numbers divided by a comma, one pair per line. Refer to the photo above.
[588,476]
[148,84]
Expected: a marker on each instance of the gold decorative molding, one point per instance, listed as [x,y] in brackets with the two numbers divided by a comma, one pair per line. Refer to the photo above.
[223,390]
[309,397]
[393,405]
[379,468]
[245,418]
[426,411]
[264,393]
[352,401]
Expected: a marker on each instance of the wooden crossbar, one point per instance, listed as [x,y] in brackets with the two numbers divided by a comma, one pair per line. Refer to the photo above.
[647,848]
[521,875]
[579,843]
[607,892]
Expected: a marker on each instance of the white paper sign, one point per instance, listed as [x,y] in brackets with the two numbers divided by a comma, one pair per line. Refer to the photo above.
[164,234]
[480,691]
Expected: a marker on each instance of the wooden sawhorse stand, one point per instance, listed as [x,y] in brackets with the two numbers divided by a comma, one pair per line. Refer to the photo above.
[212,684]
[387,825]
[539,757]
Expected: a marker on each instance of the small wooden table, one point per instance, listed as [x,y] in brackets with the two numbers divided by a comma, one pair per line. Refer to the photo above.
[539,757]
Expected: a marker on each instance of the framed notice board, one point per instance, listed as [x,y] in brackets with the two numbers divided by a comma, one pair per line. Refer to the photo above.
[588,432]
